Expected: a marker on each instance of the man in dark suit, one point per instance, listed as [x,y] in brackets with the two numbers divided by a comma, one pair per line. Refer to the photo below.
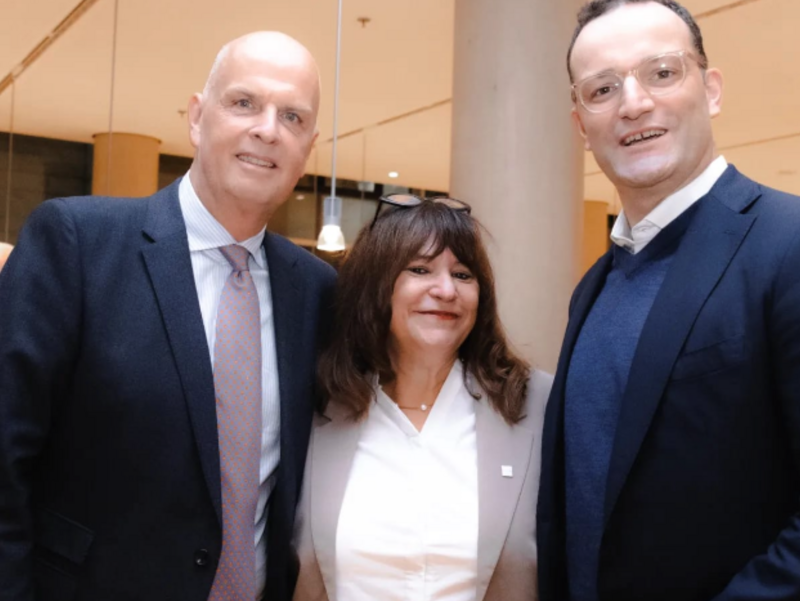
[671,450]
[119,476]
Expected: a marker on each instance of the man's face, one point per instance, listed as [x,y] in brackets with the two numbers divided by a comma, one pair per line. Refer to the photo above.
[253,128]
[619,41]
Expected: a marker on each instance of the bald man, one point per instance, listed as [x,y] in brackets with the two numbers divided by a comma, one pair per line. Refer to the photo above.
[157,360]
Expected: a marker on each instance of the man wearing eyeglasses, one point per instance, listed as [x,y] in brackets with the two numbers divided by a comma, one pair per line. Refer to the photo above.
[671,451]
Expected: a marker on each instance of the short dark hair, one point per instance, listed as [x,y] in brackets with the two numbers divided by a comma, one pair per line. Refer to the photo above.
[359,346]
[597,8]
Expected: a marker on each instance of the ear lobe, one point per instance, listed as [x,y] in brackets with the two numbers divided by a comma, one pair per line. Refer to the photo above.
[581,130]
[194,113]
[713,82]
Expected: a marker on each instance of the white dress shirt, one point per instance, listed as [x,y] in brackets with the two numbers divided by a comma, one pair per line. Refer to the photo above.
[637,237]
[211,270]
[408,527]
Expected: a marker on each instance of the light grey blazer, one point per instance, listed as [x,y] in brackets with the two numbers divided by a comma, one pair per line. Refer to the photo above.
[506,506]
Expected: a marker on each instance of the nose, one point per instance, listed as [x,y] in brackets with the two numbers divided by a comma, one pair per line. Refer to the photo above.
[635,100]
[265,127]
[443,287]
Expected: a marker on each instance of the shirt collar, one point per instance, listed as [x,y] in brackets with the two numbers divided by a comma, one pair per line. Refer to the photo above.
[205,232]
[635,238]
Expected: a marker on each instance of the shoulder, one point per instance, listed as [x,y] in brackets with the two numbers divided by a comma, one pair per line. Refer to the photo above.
[104,213]
[88,220]
[539,385]
[312,267]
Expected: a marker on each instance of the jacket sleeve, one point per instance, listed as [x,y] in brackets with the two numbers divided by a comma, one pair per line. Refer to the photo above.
[775,575]
[40,313]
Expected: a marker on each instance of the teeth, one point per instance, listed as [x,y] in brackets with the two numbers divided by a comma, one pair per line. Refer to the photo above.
[653,133]
[255,161]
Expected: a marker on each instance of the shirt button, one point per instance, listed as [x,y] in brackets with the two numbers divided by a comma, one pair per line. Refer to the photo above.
[201,558]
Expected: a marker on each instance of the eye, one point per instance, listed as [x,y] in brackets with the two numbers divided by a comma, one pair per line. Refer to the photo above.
[292,117]
[464,276]
[418,270]
[664,74]
[601,91]
[244,103]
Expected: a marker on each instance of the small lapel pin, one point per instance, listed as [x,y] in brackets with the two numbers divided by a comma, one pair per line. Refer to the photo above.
[507,471]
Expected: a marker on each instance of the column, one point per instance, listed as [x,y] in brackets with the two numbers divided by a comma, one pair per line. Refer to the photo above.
[133,167]
[518,161]
[595,232]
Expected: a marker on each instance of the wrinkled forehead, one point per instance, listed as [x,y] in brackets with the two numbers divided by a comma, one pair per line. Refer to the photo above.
[627,35]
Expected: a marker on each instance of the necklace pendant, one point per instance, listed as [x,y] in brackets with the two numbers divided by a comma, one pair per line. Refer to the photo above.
[423,407]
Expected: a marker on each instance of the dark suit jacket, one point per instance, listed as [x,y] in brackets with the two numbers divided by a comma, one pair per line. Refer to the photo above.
[109,465]
[703,487]
[507,523]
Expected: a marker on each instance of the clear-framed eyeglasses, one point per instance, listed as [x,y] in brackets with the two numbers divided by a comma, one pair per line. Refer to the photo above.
[658,75]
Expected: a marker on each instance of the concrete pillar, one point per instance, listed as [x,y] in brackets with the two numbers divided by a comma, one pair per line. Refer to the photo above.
[595,232]
[518,161]
[134,165]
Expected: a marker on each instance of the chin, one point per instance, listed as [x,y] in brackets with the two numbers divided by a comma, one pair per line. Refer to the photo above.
[645,173]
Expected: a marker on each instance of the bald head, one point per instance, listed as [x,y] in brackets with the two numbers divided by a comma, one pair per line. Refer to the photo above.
[279,48]
[5,250]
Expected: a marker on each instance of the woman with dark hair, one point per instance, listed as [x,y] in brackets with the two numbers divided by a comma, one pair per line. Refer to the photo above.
[423,472]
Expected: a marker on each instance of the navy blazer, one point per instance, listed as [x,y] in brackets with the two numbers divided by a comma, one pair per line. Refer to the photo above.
[703,487]
[109,465]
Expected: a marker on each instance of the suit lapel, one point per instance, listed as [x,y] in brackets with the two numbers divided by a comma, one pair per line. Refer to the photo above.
[499,446]
[713,237]
[333,451]
[166,256]
[287,310]
[552,436]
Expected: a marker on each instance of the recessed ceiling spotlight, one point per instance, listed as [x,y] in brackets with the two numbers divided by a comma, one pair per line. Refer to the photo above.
[300,196]
[394,174]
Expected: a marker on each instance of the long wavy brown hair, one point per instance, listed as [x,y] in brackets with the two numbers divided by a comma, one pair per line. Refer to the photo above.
[359,347]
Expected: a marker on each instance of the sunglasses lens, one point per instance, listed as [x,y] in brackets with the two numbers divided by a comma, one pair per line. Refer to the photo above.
[403,199]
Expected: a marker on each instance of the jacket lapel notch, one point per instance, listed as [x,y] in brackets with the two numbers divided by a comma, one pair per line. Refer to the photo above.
[708,247]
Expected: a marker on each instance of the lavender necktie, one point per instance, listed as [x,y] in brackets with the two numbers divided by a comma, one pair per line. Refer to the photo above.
[237,380]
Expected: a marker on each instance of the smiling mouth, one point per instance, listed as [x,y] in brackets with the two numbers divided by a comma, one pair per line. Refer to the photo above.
[650,134]
[440,314]
[246,158]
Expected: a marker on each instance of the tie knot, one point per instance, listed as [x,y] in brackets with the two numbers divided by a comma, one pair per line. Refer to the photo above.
[237,256]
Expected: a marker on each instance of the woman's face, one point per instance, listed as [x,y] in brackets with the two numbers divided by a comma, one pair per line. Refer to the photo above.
[434,305]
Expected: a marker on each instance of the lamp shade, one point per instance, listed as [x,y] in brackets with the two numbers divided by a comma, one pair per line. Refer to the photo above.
[331,238]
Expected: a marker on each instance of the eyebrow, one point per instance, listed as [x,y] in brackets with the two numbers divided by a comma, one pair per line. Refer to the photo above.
[240,90]
[612,70]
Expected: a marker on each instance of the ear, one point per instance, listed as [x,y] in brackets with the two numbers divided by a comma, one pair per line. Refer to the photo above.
[713,83]
[194,113]
[581,130]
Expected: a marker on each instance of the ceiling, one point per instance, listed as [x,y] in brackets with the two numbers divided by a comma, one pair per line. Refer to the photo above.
[396,78]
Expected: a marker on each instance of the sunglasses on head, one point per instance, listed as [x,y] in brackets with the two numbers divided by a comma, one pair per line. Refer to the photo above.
[407,201]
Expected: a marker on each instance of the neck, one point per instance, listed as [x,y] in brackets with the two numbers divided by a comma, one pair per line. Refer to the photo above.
[639,202]
[239,221]
[418,379]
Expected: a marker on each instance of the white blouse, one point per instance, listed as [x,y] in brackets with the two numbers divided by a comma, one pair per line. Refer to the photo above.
[408,527]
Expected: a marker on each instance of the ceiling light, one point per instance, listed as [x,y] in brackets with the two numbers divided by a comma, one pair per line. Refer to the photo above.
[300,197]
[394,174]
